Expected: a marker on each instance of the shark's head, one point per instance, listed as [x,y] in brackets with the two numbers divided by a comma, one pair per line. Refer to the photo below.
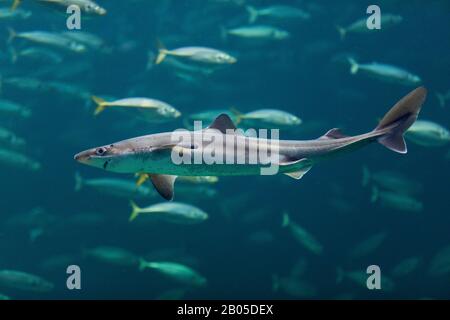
[111,157]
[128,156]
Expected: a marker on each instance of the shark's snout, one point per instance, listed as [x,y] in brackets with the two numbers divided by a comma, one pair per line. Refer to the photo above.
[83,157]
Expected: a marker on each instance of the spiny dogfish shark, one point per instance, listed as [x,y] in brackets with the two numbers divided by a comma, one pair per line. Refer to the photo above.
[153,154]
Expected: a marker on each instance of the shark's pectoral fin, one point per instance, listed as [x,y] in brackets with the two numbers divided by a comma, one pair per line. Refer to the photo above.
[164,184]
[223,123]
[299,167]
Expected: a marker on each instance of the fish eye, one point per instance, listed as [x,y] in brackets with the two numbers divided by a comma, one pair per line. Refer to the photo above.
[100,151]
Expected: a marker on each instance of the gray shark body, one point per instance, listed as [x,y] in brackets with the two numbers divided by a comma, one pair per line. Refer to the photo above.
[235,154]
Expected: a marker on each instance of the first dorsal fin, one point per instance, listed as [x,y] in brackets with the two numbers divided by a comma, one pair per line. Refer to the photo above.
[335,133]
[223,123]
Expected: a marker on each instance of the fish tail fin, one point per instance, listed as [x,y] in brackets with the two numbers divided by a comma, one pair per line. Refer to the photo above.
[397,120]
[101,105]
[354,66]
[286,220]
[15,4]
[339,275]
[143,264]
[252,14]
[12,34]
[375,194]
[135,211]
[142,177]
[239,115]
[162,52]
[78,181]
[342,32]
[366,176]
[441,99]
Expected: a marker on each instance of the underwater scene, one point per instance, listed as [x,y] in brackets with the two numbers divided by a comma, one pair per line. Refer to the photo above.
[349,100]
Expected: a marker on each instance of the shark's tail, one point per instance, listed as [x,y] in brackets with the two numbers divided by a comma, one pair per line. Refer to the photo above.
[399,119]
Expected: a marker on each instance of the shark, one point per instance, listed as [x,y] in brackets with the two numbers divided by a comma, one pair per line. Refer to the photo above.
[154,154]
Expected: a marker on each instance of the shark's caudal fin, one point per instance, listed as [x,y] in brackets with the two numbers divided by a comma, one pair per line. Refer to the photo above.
[399,119]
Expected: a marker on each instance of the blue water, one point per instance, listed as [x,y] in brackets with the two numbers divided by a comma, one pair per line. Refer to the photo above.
[304,75]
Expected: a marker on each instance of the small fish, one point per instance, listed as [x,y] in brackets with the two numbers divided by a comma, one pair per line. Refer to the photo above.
[440,263]
[58,262]
[406,266]
[197,54]
[208,116]
[360,277]
[367,246]
[90,40]
[113,256]
[176,271]
[37,54]
[19,14]
[394,181]
[360,26]
[10,138]
[199,180]
[116,187]
[293,286]
[18,160]
[428,134]
[262,32]
[396,200]
[24,281]
[385,72]
[161,108]
[86,6]
[306,239]
[11,108]
[48,38]
[172,212]
[269,118]
[280,12]
[69,90]
[25,83]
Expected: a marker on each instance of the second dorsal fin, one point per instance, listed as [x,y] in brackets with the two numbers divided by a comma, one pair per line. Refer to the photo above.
[335,133]
[223,123]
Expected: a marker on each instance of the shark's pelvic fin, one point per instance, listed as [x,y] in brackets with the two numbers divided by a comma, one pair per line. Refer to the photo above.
[299,167]
[223,123]
[164,184]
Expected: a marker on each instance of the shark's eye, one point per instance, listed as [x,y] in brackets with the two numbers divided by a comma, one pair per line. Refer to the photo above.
[100,151]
